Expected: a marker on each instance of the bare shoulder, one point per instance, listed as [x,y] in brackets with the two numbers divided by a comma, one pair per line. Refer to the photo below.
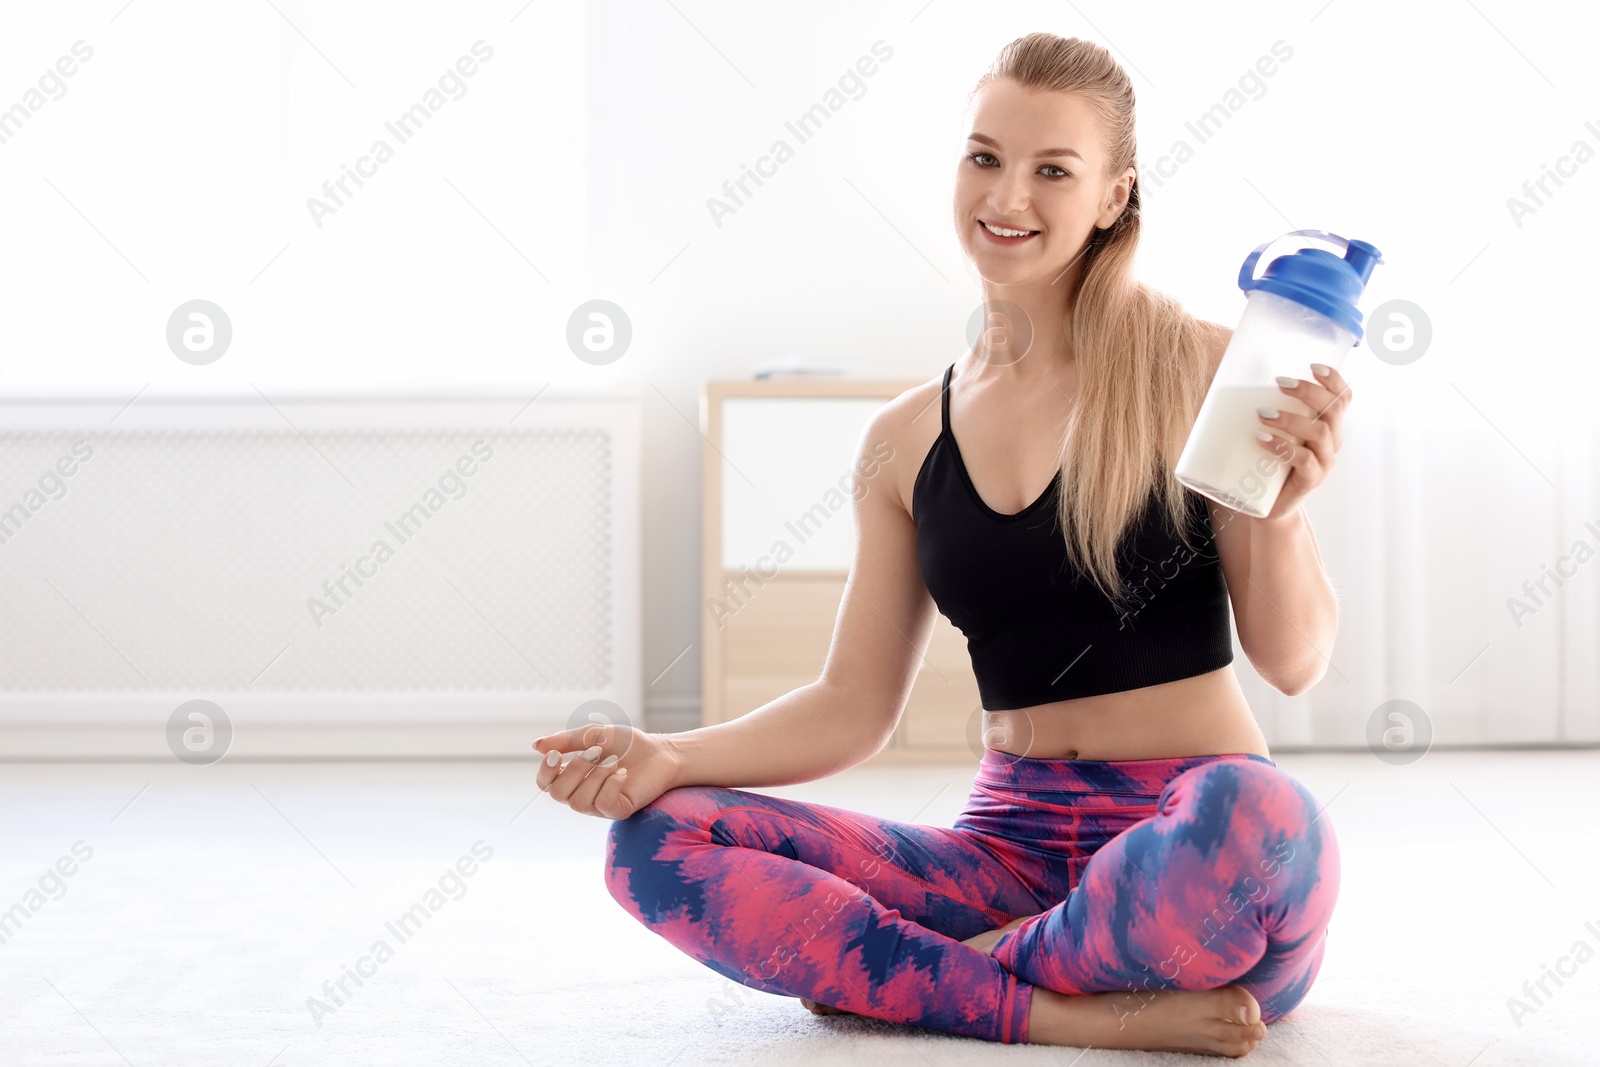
[902,431]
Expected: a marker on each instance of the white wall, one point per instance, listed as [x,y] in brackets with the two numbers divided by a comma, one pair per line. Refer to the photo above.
[178,163]
[1406,125]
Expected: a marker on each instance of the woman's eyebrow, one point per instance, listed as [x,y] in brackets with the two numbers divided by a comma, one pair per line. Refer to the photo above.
[991,142]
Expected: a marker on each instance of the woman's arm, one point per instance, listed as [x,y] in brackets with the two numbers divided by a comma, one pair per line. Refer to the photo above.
[806,734]
[1287,613]
[885,618]
[1284,606]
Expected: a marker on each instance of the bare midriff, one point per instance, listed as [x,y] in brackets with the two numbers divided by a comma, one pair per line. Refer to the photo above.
[1199,716]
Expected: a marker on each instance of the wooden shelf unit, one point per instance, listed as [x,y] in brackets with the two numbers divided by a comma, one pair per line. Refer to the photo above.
[771,635]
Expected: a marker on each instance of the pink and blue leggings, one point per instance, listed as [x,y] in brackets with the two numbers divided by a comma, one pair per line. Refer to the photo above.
[1187,873]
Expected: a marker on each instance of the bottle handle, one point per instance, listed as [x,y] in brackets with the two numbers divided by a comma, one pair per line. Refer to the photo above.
[1247,280]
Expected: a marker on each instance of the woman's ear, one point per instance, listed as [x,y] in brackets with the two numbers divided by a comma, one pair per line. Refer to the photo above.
[1117,199]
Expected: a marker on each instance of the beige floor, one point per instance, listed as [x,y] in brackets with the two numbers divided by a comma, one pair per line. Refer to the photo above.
[217,901]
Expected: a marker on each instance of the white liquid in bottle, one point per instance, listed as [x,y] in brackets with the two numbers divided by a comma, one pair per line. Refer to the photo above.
[1302,310]
[1223,459]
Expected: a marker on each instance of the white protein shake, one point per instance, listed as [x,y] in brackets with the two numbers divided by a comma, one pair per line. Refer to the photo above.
[1223,459]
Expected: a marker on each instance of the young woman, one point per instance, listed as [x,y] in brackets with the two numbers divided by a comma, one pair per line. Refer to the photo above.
[1131,870]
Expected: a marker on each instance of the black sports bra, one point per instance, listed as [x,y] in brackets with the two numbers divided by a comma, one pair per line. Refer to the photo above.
[1038,629]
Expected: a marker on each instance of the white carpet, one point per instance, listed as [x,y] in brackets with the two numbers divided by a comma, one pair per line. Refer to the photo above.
[217,902]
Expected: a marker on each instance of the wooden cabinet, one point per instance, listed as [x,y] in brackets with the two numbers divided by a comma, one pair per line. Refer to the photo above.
[778,539]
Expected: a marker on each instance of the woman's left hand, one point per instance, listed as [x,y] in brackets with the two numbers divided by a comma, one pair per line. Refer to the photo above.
[1306,443]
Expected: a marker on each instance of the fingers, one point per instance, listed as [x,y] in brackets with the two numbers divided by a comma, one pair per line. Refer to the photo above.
[561,781]
[1333,383]
[1325,393]
[582,798]
[552,765]
[579,737]
[614,737]
[1302,458]
[1327,397]
[1285,448]
[589,779]
[1319,435]
[613,802]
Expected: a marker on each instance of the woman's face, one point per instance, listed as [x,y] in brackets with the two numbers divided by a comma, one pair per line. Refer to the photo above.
[1034,161]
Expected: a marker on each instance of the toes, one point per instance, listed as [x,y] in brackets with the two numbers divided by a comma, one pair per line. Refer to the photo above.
[1234,1044]
[1231,1039]
[1240,999]
[821,1009]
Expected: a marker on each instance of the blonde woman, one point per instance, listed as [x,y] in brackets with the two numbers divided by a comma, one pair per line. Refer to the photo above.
[1131,869]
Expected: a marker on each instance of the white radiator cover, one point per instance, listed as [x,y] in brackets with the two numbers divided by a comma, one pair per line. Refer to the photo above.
[355,564]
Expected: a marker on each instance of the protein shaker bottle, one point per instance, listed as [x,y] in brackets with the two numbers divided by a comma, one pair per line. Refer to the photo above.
[1301,310]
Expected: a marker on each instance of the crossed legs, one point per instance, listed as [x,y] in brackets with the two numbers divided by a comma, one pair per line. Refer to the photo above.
[1230,878]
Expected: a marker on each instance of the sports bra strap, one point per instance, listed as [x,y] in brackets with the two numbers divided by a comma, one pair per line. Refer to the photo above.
[944,396]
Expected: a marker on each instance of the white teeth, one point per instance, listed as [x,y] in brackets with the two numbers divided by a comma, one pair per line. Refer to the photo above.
[1004,233]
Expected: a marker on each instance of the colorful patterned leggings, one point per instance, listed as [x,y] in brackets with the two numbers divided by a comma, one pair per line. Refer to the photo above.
[1188,873]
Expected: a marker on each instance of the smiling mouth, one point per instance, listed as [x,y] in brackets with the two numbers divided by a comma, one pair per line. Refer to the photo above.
[1017,232]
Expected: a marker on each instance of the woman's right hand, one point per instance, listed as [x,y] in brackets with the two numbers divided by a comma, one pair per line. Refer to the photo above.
[619,770]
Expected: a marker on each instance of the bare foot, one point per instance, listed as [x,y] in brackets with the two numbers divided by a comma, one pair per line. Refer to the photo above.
[1204,1021]
[1168,1020]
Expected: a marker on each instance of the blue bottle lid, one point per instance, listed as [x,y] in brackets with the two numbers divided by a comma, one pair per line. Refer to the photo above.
[1316,278]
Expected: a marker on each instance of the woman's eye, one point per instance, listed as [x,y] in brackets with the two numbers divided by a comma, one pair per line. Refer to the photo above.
[976,158]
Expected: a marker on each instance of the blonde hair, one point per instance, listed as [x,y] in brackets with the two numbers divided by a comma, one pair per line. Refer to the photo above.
[1141,359]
